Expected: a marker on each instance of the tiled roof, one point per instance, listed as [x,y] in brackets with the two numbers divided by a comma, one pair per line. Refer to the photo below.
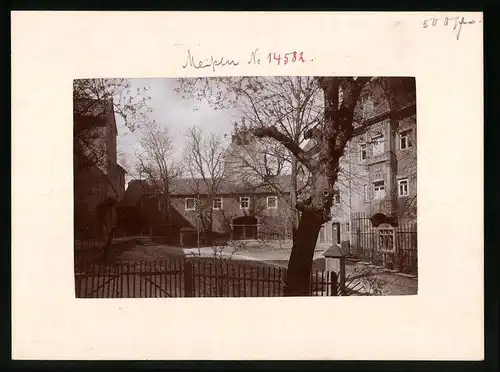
[193,186]
[190,186]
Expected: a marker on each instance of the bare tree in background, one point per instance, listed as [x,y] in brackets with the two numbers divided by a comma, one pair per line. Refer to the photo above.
[204,163]
[97,99]
[156,163]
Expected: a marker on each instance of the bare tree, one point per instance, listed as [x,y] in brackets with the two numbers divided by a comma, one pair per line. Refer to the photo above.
[204,163]
[156,162]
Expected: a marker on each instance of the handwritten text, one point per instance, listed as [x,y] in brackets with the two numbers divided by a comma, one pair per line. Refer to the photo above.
[254,59]
[455,22]
[278,58]
[208,62]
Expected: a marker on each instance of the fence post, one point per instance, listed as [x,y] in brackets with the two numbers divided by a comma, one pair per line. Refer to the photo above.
[333,279]
[188,279]
[342,276]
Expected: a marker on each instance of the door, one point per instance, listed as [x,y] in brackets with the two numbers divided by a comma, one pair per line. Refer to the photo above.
[336,232]
[245,228]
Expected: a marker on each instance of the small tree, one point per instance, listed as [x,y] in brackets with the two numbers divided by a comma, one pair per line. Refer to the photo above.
[204,163]
[156,162]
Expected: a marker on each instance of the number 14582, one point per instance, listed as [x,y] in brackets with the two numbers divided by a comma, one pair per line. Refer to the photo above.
[285,58]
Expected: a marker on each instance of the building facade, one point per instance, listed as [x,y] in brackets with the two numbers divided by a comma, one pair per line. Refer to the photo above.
[379,170]
[234,210]
[99,181]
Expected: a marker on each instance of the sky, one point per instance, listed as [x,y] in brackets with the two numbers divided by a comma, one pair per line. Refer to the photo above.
[178,114]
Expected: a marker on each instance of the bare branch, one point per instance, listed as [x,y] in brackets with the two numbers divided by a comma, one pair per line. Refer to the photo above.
[286,141]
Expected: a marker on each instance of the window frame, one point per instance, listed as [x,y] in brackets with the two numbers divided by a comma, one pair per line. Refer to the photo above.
[186,204]
[276,202]
[363,148]
[375,189]
[405,134]
[336,194]
[378,139]
[386,232]
[221,203]
[400,182]
[245,197]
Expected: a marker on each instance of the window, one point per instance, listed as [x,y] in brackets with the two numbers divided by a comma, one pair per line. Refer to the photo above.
[244,202]
[217,204]
[386,239]
[272,202]
[336,197]
[189,204]
[405,140]
[362,151]
[379,190]
[365,192]
[378,144]
[403,187]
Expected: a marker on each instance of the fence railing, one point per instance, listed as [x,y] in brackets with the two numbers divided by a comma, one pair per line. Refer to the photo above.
[192,278]
[391,247]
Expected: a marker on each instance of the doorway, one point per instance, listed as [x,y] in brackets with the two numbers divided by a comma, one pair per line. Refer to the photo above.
[245,228]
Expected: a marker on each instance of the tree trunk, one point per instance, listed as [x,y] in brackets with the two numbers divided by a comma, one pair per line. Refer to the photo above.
[300,263]
[109,241]
[293,198]
[169,214]
[209,229]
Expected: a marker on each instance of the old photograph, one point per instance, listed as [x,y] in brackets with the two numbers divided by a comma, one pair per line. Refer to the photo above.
[253,186]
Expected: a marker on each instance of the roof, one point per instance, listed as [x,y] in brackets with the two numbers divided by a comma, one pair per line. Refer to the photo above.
[195,186]
[333,252]
[134,192]
[121,168]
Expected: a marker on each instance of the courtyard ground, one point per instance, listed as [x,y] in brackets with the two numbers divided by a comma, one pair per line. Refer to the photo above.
[278,254]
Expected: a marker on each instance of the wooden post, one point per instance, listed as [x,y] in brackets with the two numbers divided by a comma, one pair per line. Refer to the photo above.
[342,276]
[333,279]
[188,279]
